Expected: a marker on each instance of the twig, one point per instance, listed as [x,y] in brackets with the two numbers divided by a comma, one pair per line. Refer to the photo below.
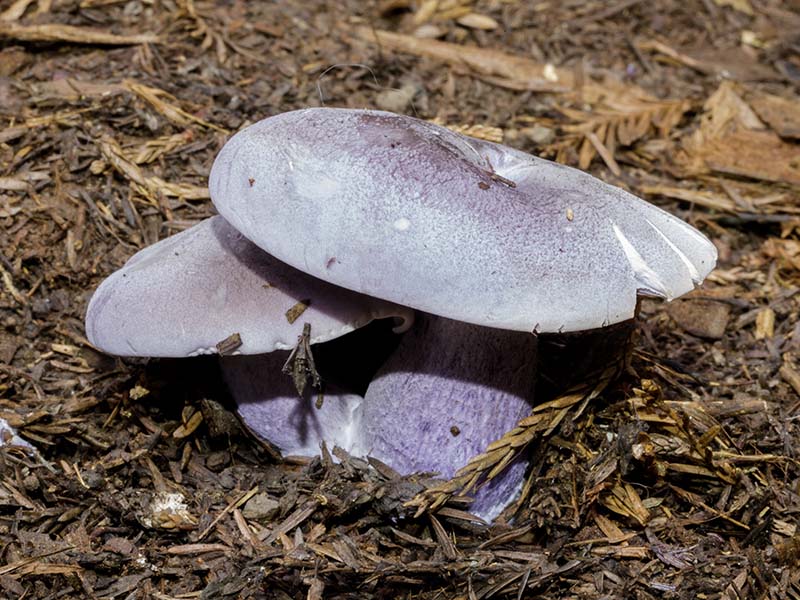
[605,14]
[54,32]
[236,503]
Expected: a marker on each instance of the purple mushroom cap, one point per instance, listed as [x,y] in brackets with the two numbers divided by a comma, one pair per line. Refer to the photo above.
[478,233]
[400,209]
[189,292]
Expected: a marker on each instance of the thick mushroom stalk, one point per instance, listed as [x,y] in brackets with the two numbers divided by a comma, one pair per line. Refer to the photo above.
[448,391]
[269,404]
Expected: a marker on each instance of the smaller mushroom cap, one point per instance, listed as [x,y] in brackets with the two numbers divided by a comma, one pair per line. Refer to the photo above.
[400,209]
[185,294]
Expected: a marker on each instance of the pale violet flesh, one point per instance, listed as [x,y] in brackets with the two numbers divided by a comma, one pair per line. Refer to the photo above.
[271,408]
[448,391]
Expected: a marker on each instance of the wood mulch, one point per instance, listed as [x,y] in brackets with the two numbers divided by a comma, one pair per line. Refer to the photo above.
[680,481]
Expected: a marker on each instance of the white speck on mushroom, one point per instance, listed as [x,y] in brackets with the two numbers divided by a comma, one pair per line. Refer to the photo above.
[219,297]
[570,214]
[647,277]
[203,351]
[351,433]
[319,187]
[402,224]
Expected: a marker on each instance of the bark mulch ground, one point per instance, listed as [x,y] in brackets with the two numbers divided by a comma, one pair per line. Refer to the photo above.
[679,481]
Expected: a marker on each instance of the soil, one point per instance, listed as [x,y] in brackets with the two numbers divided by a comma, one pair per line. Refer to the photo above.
[679,480]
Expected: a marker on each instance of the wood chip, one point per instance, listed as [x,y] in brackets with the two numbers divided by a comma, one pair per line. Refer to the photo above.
[478,21]
[190,549]
[791,376]
[782,114]
[703,318]
[297,310]
[229,345]
[188,428]
[293,520]
[733,140]
[765,324]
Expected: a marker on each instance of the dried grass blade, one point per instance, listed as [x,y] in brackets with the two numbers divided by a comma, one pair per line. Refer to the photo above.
[500,453]
[151,187]
[16,10]
[604,153]
[445,543]
[22,563]
[174,114]
[293,520]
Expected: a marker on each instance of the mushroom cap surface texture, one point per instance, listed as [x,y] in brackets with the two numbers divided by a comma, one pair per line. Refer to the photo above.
[187,293]
[400,209]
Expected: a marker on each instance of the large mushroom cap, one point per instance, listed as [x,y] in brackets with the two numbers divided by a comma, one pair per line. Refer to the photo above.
[189,292]
[400,209]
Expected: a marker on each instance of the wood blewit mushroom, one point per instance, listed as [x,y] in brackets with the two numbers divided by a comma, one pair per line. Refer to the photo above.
[475,232]
[379,214]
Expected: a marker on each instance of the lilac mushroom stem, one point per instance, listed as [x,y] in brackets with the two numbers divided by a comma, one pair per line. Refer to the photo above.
[449,390]
[268,402]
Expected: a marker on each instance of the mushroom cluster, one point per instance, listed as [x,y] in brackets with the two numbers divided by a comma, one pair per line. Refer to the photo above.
[331,219]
